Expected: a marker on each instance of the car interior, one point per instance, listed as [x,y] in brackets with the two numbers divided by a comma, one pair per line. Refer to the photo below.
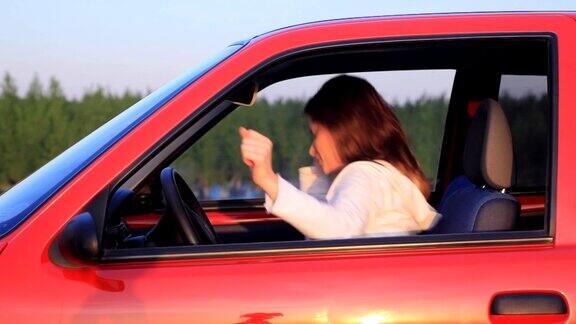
[494,169]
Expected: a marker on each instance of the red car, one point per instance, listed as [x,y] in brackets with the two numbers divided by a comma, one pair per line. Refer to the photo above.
[109,232]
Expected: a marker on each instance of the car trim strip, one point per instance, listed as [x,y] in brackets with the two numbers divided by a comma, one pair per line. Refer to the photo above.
[195,252]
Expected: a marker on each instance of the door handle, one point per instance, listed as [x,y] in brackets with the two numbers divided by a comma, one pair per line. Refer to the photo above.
[545,303]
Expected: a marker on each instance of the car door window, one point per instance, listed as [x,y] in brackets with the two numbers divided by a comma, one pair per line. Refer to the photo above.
[213,168]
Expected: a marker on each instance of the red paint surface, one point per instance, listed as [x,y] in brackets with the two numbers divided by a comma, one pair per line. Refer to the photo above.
[240,217]
[532,203]
[216,218]
[529,319]
[426,285]
[472,108]
[142,221]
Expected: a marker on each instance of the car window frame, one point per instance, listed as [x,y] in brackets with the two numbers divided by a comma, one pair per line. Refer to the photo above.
[215,110]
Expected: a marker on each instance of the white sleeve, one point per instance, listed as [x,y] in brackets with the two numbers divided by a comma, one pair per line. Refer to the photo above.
[342,216]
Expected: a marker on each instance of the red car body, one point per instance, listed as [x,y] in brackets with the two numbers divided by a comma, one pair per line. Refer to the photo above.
[438,283]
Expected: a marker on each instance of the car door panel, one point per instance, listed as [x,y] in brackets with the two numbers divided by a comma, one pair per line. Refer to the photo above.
[330,287]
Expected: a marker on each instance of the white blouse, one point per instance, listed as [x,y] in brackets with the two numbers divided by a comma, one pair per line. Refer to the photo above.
[365,199]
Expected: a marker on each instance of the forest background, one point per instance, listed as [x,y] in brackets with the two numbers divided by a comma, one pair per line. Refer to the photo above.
[42,122]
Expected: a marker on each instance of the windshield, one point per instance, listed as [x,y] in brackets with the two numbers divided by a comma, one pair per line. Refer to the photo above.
[23,199]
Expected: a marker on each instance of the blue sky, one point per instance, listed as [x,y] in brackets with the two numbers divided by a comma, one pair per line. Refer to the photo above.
[141,44]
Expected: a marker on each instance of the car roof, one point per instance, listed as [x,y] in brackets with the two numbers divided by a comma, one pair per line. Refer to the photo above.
[571,14]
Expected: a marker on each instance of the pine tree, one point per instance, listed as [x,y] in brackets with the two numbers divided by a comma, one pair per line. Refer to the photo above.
[8,103]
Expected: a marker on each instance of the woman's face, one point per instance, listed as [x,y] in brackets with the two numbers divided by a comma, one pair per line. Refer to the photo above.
[323,149]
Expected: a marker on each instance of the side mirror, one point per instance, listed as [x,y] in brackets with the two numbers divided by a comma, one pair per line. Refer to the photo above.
[78,243]
[245,95]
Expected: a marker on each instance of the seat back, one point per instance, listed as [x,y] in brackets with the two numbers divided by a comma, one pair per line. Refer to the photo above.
[476,201]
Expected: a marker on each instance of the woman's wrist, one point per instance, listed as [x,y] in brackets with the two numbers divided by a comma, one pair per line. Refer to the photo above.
[269,185]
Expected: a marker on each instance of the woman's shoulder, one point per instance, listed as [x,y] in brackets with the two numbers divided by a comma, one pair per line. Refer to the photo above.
[357,167]
[365,171]
[374,170]
[368,167]
[358,177]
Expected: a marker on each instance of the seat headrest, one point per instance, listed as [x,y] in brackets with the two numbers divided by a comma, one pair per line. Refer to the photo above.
[488,154]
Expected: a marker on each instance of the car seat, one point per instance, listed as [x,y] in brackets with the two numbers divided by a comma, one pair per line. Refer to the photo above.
[477,201]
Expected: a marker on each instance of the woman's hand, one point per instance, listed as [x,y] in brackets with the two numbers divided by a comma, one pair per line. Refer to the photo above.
[256,150]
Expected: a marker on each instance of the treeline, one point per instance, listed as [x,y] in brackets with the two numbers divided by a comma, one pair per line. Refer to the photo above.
[528,117]
[41,123]
[38,125]
[213,167]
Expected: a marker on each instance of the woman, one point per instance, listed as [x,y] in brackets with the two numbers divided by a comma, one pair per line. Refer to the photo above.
[379,188]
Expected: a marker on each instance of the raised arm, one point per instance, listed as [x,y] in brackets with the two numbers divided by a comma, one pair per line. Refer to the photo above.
[342,216]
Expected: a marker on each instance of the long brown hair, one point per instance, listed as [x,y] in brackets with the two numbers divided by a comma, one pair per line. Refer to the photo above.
[363,126]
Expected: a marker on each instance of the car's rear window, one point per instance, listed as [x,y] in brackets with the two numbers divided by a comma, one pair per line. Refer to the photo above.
[524,99]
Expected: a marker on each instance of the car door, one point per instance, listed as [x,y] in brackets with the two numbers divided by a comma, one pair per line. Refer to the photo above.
[461,277]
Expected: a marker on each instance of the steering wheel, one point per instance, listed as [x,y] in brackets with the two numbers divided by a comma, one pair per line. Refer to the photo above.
[185,210]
